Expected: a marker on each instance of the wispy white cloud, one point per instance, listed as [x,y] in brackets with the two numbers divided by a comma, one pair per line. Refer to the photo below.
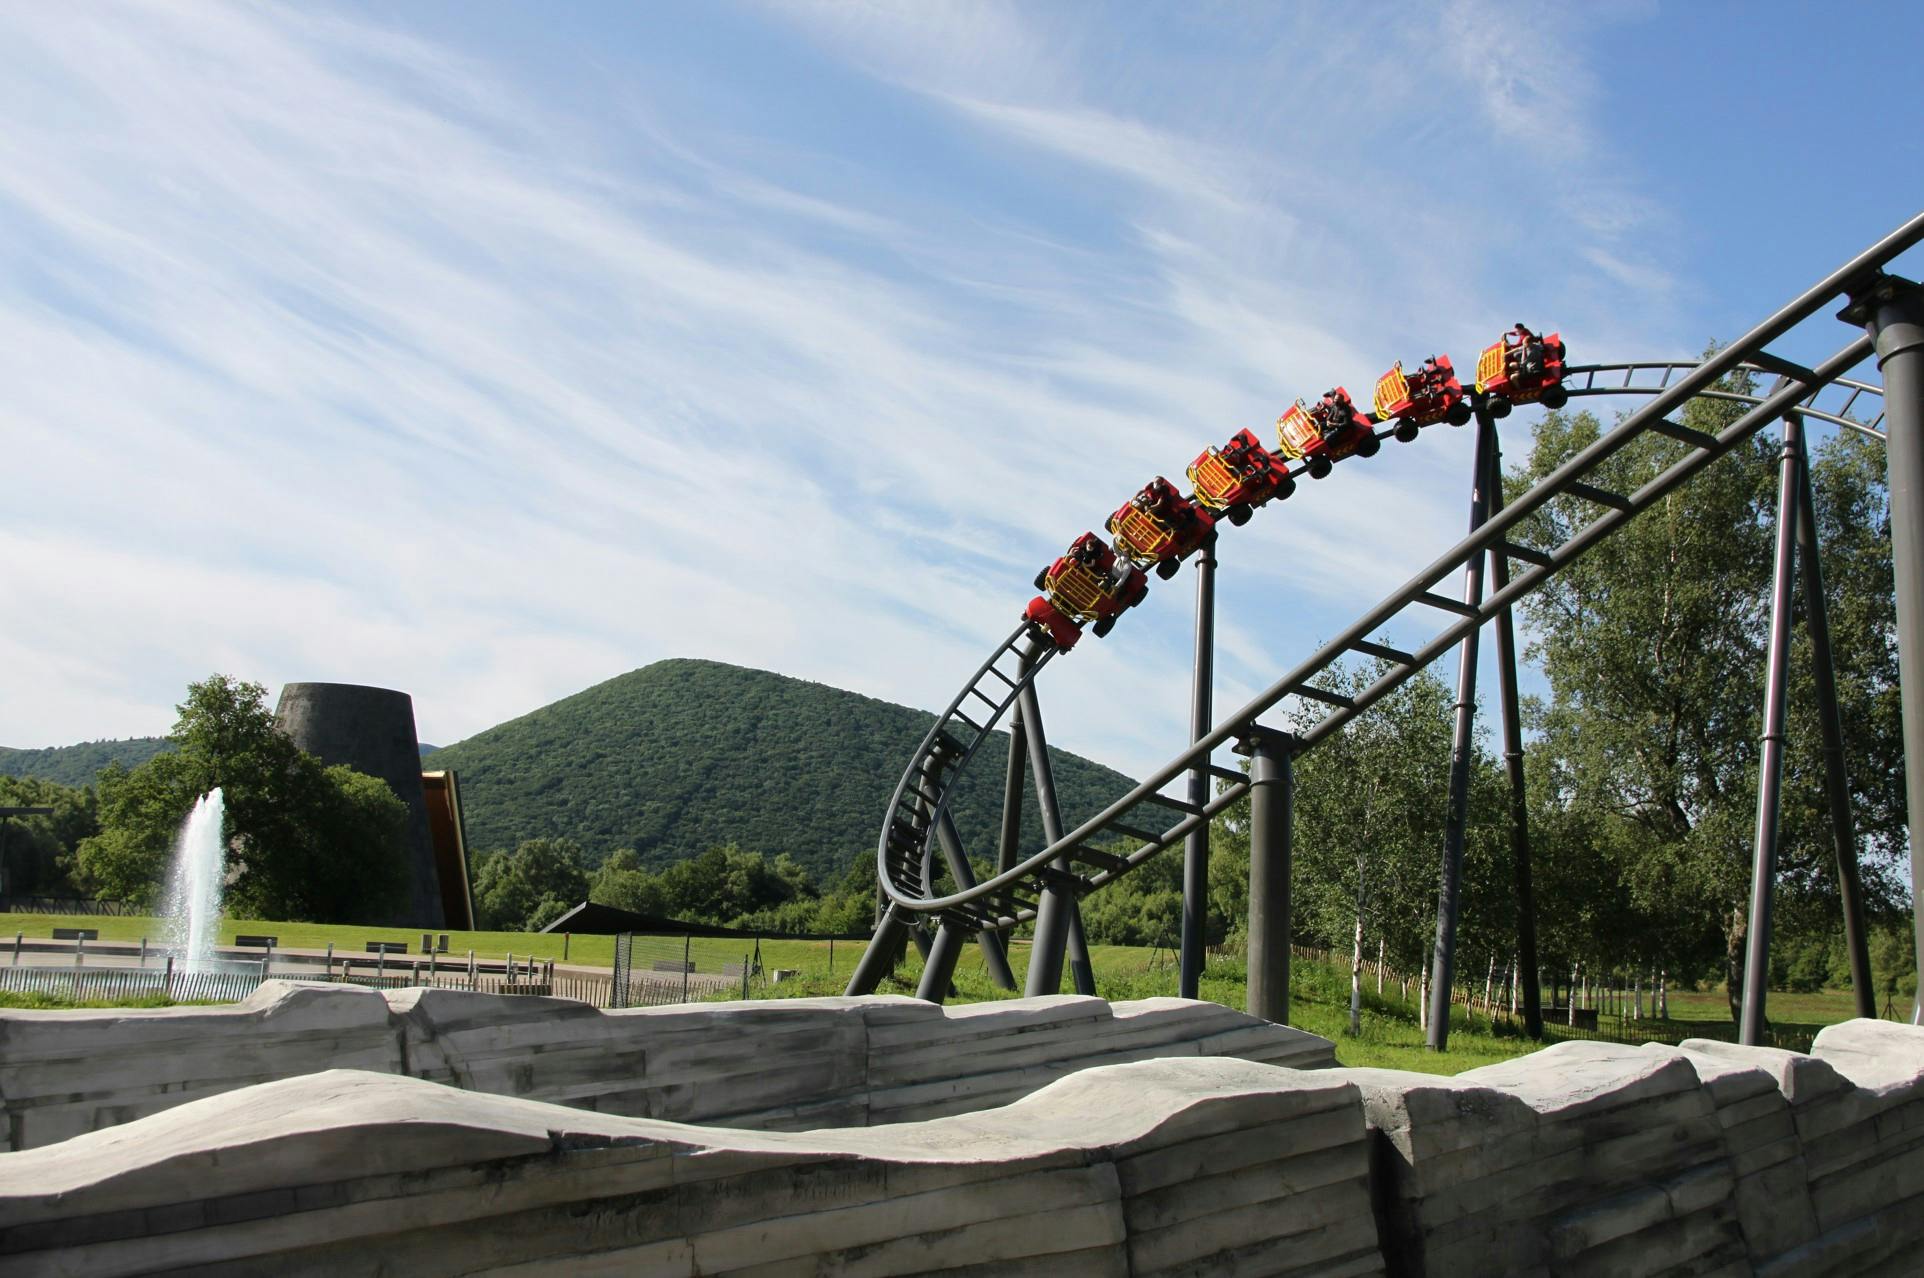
[342,353]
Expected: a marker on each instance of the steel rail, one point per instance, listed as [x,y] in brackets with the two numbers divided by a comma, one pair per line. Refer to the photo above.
[1796,389]
[1521,583]
[1839,417]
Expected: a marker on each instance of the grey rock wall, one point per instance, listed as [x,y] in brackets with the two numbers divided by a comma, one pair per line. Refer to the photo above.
[786,1065]
[1161,1167]
[1582,1159]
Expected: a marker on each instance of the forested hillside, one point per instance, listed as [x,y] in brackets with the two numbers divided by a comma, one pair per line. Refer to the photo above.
[78,764]
[685,755]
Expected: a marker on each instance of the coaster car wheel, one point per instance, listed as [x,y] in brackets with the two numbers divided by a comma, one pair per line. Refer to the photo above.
[1499,407]
[1168,568]
[1319,467]
[1406,431]
[1239,514]
[1555,397]
[1460,414]
[1103,626]
[1369,447]
[1285,487]
[1042,579]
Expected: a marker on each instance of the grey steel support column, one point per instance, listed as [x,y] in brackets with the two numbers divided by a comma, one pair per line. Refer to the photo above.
[1054,911]
[1082,973]
[1009,846]
[1506,662]
[1462,745]
[994,958]
[879,959]
[1271,832]
[939,969]
[1837,788]
[1770,764]
[1892,311]
[1195,848]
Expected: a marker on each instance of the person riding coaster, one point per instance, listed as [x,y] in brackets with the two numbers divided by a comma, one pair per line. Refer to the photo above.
[1324,433]
[1087,583]
[1158,527]
[1429,395]
[1522,367]
[1240,476]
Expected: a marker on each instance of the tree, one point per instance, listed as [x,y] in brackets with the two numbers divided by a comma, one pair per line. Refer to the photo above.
[525,890]
[36,852]
[1368,823]
[1369,808]
[1653,646]
[624,883]
[305,841]
[725,883]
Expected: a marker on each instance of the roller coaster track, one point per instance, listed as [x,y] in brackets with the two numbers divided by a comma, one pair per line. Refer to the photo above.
[919,841]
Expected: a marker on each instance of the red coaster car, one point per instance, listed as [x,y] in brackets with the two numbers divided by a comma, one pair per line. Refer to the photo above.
[1240,476]
[1522,368]
[1086,584]
[1414,400]
[1158,526]
[1325,433]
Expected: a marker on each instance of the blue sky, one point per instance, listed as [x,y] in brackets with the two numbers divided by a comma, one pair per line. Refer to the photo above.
[489,351]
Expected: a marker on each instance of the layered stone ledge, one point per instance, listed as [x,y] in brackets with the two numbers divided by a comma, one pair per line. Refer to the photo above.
[784,1065]
[1581,1159]
[1154,1167]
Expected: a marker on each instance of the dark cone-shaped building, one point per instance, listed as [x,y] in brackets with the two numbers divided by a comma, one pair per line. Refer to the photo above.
[372,730]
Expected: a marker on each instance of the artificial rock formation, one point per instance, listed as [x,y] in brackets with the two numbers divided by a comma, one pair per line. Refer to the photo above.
[1585,1158]
[781,1064]
[1160,1167]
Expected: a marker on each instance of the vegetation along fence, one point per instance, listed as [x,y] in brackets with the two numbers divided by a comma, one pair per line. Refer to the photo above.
[67,905]
[121,984]
[652,971]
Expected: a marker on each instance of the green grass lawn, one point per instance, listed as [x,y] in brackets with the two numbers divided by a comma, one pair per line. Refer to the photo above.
[590,951]
[1319,991]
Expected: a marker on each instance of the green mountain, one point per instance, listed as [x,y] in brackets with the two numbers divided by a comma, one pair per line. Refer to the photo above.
[77,764]
[683,755]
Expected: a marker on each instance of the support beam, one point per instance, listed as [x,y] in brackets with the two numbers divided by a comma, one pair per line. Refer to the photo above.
[1195,848]
[1082,972]
[1506,667]
[1054,912]
[939,970]
[1463,742]
[1892,312]
[1271,817]
[994,957]
[878,960]
[1770,764]
[1008,847]
[1837,788]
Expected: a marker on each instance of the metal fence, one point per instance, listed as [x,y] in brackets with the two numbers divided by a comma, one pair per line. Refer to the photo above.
[651,971]
[68,905]
[119,984]
[1792,1036]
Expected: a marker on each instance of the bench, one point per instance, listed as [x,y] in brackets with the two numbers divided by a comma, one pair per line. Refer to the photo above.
[76,934]
[1586,1017]
[257,942]
[386,947]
